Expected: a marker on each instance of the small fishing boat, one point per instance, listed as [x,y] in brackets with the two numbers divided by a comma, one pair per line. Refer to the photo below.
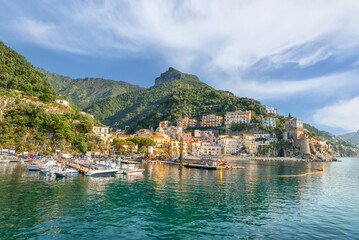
[101,172]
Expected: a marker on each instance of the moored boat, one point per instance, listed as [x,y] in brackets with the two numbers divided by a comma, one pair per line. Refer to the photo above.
[135,171]
[33,167]
[66,173]
[101,172]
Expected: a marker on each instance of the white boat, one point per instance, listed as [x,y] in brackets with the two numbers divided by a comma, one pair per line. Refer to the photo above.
[49,170]
[33,167]
[37,166]
[103,172]
[130,169]
[4,161]
[135,171]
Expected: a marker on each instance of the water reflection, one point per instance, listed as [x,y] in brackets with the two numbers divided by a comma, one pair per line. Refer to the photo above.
[175,202]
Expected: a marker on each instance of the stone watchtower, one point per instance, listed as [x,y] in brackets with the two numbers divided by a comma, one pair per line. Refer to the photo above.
[294,128]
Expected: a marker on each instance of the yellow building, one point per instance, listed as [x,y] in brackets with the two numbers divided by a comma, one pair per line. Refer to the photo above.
[175,147]
[161,141]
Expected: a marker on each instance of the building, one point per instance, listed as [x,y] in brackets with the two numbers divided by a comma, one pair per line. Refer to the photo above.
[319,145]
[172,131]
[269,122]
[186,122]
[144,133]
[163,124]
[271,110]
[294,129]
[161,141]
[237,117]
[100,131]
[204,135]
[211,121]
[175,147]
[231,144]
[187,137]
[250,144]
[211,150]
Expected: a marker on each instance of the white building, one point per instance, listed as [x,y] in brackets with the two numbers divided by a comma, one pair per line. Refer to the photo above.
[269,122]
[100,131]
[231,144]
[271,110]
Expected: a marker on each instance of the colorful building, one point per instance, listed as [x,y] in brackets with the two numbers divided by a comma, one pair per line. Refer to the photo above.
[269,122]
[100,131]
[163,124]
[186,122]
[237,117]
[211,121]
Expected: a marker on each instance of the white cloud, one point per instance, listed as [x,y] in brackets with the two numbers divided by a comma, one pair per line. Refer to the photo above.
[230,34]
[344,115]
[270,89]
[213,36]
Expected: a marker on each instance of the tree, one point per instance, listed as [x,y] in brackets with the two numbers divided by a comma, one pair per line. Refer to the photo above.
[119,143]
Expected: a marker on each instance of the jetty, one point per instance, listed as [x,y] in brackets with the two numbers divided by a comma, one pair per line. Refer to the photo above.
[78,167]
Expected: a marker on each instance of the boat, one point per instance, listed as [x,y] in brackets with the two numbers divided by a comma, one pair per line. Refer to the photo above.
[33,166]
[49,170]
[130,169]
[101,172]
[4,161]
[66,173]
[135,171]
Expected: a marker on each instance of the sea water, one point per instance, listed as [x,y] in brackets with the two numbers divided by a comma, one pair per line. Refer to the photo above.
[266,200]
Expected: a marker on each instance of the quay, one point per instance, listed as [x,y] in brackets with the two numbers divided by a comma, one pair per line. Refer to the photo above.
[82,169]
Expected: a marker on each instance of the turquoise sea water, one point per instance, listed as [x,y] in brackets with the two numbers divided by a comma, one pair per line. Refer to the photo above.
[172,202]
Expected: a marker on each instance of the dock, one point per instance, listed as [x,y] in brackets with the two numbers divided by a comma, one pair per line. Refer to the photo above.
[81,169]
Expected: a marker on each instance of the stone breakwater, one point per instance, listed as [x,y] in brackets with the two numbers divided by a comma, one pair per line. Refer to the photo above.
[289,159]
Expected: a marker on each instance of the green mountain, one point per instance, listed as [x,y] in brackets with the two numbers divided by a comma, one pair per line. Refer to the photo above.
[30,118]
[127,108]
[194,103]
[172,75]
[352,137]
[86,91]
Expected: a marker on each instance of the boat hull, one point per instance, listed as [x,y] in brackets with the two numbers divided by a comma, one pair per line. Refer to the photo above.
[135,172]
[97,173]
[33,168]
[66,174]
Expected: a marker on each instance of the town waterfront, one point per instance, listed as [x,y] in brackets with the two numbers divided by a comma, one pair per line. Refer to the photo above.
[175,202]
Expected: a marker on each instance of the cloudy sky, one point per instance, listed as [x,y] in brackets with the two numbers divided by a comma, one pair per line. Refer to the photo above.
[299,56]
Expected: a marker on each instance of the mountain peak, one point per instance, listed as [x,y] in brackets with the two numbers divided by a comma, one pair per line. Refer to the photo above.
[173,74]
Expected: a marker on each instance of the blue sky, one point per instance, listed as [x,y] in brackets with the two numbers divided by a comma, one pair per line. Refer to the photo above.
[299,56]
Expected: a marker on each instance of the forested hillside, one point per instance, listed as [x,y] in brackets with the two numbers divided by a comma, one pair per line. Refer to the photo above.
[86,91]
[31,120]
[127,108]
[194,103]
[17,73]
